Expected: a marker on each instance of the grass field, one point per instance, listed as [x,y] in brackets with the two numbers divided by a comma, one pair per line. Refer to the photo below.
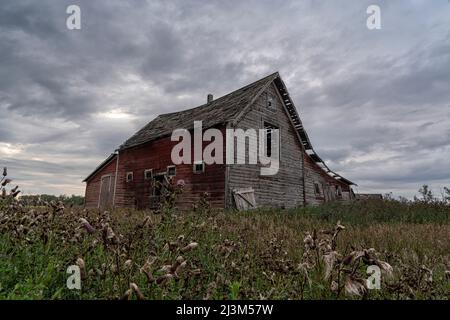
[308,253]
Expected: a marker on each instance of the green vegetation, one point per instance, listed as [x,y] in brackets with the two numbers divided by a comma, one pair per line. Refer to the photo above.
[7,198]
[43,199]
[275,254]
[375,211]
[306,253]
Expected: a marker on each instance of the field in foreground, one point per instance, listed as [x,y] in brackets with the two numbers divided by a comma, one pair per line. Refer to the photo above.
[313,253]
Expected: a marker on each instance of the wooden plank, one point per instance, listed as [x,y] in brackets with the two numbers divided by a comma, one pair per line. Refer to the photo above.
[244,198]
[286,188]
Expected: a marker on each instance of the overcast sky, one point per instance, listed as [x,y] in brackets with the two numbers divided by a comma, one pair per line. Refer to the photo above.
[376,103]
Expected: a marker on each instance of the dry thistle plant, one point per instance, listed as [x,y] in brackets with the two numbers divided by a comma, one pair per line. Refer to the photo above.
[203,206]
[342,273]
[169,194]
[6,198]
[131,254]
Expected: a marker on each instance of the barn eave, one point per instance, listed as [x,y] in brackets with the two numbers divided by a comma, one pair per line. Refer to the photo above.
[303,135]
[108,160]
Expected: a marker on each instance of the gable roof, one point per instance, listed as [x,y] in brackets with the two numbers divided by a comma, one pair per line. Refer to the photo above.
[105,162]
[228,108]
[303,136]
[221,110]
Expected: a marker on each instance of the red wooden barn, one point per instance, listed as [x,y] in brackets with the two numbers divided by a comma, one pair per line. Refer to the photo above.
[136,173]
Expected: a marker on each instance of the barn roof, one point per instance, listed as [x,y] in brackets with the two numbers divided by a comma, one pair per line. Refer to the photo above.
[111,157]
[221,110]
[228,108]
[302,134]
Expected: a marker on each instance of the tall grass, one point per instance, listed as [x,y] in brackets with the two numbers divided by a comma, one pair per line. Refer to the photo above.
[380,211]
[306,253]
[263,254]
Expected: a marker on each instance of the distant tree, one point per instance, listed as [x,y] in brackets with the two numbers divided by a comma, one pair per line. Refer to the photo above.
[446,194]
[425,192]
[41,199]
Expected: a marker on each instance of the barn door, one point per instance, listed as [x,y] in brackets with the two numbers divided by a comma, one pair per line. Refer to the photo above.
[244,199]
[106,191]
[159,190]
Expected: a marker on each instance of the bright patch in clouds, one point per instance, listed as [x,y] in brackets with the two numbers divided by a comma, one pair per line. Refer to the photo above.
[116,114]
[9,150]
[375,103]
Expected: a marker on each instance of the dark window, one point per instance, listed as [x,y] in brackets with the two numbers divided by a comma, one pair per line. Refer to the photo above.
[148,174]
[199,167]
[317,188]
[270,102]
[338,191]
[129,176]
[171,171]
[158,185]
[269,130]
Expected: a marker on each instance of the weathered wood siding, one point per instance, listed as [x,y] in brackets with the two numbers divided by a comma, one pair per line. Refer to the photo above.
[292,186]
[327,185]
[285,189]
[156,155]
[93,185]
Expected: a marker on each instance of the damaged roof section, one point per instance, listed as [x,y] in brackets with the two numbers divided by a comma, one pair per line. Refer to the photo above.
[292,111]
[228,108]
[221,110]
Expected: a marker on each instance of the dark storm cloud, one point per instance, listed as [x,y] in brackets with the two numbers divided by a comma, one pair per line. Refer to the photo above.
[376,104]
[379,83]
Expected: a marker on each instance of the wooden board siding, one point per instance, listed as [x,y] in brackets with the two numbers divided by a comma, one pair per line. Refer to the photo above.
[150,148]
[327,185]
[285,189]
[92,194]
[106,191]
[156,155]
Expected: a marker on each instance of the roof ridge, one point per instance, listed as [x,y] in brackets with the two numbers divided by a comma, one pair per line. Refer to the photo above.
[220,110]
[274,75]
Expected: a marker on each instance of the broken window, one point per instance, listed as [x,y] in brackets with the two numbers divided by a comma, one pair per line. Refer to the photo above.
[171,171]
[316,188]
[338,191]
[129,176]
[148,174]
[199,167]
[270,102]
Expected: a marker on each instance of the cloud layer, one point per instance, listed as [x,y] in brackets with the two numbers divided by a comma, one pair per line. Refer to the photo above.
[376,103]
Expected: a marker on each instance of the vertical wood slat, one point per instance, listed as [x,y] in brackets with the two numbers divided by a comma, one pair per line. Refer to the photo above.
[285,189]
